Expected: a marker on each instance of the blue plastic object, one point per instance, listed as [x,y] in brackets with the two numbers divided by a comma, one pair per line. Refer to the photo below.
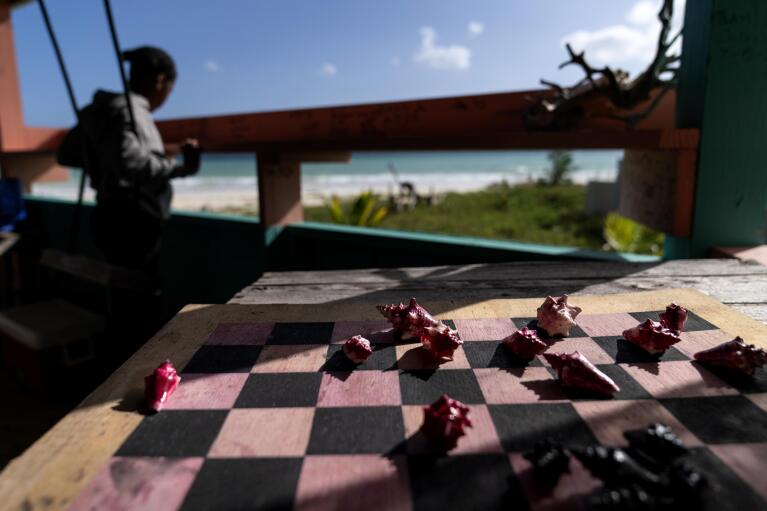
[12,210]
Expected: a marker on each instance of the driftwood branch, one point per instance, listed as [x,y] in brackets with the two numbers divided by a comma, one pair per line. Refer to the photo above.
[566,107]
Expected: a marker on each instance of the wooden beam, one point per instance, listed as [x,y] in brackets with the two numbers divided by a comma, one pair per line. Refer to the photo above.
[32,168]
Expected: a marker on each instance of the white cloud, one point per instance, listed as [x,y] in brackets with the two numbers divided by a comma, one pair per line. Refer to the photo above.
[328,69]
[630,43]
[453,57]
[395,61]
[211,66]
[642,13]
[476,28]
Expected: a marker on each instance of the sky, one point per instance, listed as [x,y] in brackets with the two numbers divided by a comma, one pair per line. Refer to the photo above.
[257,55]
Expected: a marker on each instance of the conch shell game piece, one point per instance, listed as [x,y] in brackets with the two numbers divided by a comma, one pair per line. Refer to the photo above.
[556,316]
[525,344]
[652,337]
[735,355]
[413,321]
[357,349]
[160,385]
[576,371]
[445,421]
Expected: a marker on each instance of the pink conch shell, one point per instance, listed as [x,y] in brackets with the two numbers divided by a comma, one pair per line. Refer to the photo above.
[160,385]
[576,371]
[556,317]
[357,349]
[525,344]
[652,337]
[415,321]
[734,354]
[674,318]
[445,421]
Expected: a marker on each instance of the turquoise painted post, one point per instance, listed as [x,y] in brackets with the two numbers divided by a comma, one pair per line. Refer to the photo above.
[723,91]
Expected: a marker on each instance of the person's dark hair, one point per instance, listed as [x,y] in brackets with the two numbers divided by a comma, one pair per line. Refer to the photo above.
[146,62]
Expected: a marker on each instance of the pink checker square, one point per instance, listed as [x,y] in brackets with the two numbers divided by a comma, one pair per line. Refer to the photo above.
[585,345]
[693,342]
[677,379]
[602,325]
[290,359]
[749,461]
[353,483]
[374,331]
[759,400]
[518,385]
[240,334]
[480,438]
[139,483]
[207,391]
[571,492]
[486,329]
[609,419]
[359,388]
[414,357]
[264,432]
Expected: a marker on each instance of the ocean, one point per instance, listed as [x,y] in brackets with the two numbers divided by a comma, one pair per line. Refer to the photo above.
[229,179]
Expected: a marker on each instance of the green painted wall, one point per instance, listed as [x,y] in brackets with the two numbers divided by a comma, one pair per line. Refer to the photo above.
[722,91]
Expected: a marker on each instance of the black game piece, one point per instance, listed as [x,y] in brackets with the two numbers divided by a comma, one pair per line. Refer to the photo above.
[623,498]
[685,483]
[656,445]
[615,467]
[550,460]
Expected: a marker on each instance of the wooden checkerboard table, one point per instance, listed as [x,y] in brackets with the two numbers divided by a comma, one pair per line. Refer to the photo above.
[270,414]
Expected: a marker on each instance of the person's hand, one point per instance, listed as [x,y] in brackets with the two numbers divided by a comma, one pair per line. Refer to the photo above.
[190,150]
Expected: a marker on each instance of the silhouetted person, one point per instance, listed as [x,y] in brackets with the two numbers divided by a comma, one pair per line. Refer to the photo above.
[128,167]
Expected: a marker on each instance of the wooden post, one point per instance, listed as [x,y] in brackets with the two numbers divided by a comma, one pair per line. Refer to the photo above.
[722,87]
[279,190]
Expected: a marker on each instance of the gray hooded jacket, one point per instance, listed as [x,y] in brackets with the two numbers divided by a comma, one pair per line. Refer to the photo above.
[125,168]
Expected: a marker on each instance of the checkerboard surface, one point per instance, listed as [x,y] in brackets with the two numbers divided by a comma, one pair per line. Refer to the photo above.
[273,416]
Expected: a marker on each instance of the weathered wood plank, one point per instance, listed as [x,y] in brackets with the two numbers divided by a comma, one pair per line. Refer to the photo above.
[730,281]
[501,271]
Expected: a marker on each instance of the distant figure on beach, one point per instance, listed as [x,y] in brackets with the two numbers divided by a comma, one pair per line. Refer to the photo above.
[127,163]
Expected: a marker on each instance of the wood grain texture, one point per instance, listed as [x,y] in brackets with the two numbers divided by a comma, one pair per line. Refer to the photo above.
[57,467]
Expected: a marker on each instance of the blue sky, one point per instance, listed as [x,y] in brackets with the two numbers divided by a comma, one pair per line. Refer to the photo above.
[255,55]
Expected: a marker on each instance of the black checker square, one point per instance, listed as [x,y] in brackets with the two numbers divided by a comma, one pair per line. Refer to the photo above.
[520,426]
[279,390]
[532,323]
[356,430]
[478,481]
[720,419]
[174,433]
[694,322]
[629,387]
[223,359]
[244,483]
[724,491]
[624,352]
[423,387]
[301,333]
[384,357]
[482,354]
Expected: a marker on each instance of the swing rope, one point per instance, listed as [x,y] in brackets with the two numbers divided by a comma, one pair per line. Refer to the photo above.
[74,228]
